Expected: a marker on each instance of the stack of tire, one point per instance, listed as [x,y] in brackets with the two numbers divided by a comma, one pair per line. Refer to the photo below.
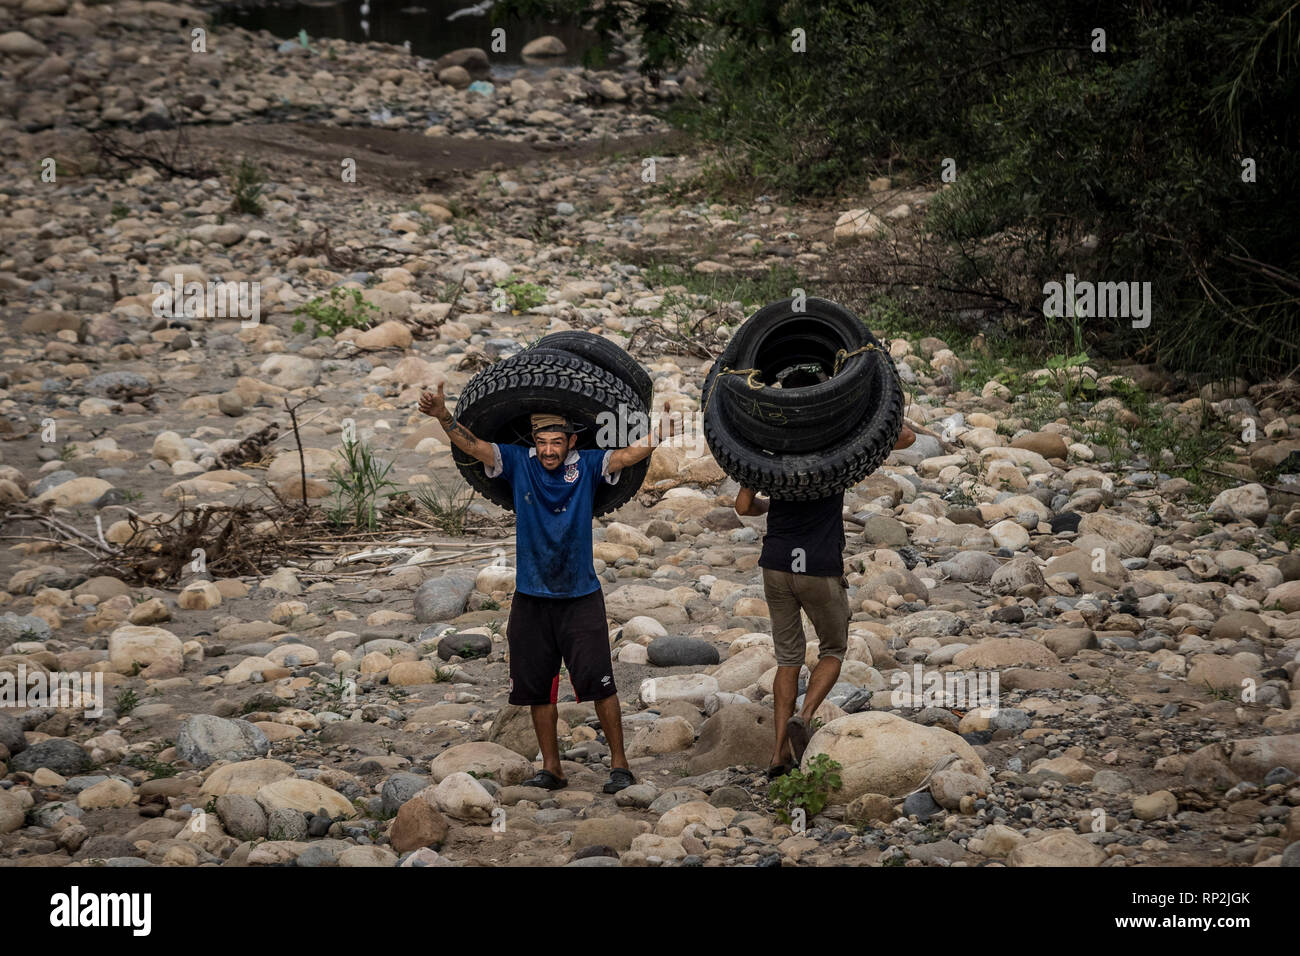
[575,374]
[816,439]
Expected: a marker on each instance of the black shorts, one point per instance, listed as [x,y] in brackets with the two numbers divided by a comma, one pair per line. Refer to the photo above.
[542,632]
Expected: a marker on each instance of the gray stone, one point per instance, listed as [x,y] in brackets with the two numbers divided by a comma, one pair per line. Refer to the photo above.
[884,532]
[284,823]
[921,805]
[204,739]
[241,816]
[11,734]
[52,480]
[401,787]
[443,598]
[736,735]
[468,646]
[681,652]
[23,627]
[63,756]
[102,383]
[970,567]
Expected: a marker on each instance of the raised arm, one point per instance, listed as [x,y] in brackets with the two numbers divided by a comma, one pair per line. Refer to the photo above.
[457,434]
[749,505]
[629,456]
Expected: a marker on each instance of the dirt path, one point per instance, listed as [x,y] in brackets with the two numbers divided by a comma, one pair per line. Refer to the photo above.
[398,161]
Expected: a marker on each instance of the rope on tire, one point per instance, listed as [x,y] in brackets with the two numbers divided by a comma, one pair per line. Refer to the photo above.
[751,379]
[755,383]
[843,356]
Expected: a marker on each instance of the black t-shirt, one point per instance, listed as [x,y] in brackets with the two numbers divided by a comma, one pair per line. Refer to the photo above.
[805,537]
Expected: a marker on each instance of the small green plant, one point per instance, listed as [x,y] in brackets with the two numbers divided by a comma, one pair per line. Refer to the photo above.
[1219,693]
[151,765]
[359,486]
[67,452]
[333,693]
[246,182]
[341,309]
[489,775]
[525,295]
[805,790]
[444,675]
[298,327]
[447,506]
[490,605]
[120,210]
[126,702]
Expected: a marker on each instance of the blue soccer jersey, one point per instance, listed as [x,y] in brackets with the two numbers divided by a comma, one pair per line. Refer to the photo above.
[553,512]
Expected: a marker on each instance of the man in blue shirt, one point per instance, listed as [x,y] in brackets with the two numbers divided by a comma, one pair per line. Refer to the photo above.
[558,611]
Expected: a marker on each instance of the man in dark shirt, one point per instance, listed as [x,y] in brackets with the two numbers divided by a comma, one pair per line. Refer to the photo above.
[803,569]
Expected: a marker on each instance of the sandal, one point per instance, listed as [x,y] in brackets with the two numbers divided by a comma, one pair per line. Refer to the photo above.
[796,731]
[620,778]
[546,780]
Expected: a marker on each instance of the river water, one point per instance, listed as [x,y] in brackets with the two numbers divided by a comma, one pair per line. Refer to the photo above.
[423,22]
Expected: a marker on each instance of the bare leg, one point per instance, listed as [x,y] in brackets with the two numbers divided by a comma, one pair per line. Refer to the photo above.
[823,678]
[611,722]
[785,688]
[544,725]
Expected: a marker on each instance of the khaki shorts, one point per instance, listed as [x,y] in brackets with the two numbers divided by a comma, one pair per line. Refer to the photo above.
[826,602]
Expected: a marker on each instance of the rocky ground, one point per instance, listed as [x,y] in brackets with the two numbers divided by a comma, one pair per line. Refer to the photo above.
[346,705]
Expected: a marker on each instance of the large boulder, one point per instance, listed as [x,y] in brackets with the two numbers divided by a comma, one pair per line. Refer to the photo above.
[512,728]
[636,600]
[736,735]
[693,688]
[246,777]
[1247,503]
[1058,848]
[462,797]
[306,796]
[1130,539]
[1017,573]
[157,651]
[484,759]
[63,756]
[997,652]
[443,598]
[418,823]
[744,668]
[681,652]
[204,739]
[881,753]
[1252,759]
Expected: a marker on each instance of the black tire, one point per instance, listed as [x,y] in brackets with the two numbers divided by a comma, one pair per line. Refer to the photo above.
[776,339]
[602,353]
[496,403]
[806,477]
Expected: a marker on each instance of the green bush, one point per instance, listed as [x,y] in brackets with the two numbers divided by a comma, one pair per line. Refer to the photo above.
[341,309]
[1122,165]
[805,790]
